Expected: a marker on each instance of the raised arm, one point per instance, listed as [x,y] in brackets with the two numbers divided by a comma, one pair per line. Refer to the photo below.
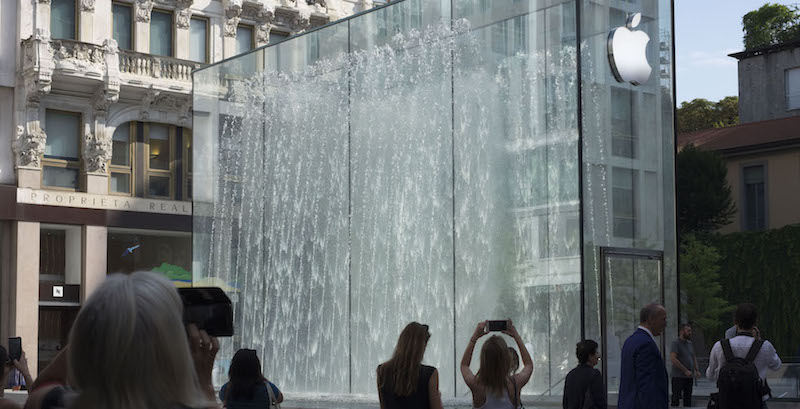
[524,375]
[469,377]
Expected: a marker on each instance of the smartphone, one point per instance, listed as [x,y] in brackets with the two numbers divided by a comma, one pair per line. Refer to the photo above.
[14,348]
[209,308]
[498,325]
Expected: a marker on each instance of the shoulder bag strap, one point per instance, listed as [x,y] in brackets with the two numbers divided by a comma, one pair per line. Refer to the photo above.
[726,349]
[751,355]
[273,400]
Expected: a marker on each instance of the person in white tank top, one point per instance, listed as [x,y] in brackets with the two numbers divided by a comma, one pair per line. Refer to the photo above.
[492,387]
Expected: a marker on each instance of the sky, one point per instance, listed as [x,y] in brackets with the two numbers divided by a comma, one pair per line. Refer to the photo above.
[706,31]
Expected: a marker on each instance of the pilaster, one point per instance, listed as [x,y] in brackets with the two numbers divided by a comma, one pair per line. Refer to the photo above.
[25,290]
[142,11]
[95,259]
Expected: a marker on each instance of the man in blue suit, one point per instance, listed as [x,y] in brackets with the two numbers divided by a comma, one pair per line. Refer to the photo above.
[643,381]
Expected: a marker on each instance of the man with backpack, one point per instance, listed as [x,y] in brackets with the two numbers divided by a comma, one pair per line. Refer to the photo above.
[739,365]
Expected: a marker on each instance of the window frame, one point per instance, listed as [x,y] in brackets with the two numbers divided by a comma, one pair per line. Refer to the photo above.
[634,173]
[207,21]
[786,76]
[187,173]
[77,17]
[56,162]
[172,28]
[743,194]
[129,170]
[148,172]
[133,23]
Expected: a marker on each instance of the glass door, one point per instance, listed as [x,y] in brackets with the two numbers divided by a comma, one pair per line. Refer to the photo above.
[631,278]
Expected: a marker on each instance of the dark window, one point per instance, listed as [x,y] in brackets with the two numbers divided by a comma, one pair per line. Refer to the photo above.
[755,210]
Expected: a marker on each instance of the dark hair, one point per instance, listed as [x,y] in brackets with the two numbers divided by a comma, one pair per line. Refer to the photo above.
[3,355]
[401,373]
[746,316]
[684,325]
[245,374]
[648,311]
[584,349]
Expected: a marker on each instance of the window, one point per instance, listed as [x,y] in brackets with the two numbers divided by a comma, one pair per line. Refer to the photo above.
[121,168]
[161,33]
[159,160]
[198,34]
[623,202]
[63,19]
[793,88]
[623,142]
[60,254]
[122,27]
[244,38]
[168,253]
[755,209]
[62,150]
[187,164]
[275,37]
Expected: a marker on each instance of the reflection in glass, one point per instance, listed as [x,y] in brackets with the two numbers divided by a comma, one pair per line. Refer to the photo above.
[60,177]
[159,147]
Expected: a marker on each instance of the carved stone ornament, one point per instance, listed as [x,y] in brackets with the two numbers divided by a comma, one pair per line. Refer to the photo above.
[143,10]
[44,1]
[232,17]
[183,17]
[29,147]
[262,33]
[185,112]
[96,153]
[149,97]
[87,5]
[102,100]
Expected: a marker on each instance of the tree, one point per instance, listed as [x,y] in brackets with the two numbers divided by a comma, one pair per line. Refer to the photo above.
[704,197]
[700,114]
[700,287]
[770,25]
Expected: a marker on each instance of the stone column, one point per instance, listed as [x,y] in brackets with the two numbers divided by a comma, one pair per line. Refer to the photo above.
[42,16]
[233,11]
[95,259]
[86,21]
[183,17]
[142,9]
[24,283]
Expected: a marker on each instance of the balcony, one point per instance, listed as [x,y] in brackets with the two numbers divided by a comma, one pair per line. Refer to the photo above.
[81,67]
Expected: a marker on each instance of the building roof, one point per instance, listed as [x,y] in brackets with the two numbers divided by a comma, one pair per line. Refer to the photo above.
[766,50]
[746,137]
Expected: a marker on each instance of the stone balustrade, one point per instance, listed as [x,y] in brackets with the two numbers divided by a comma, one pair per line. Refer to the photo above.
[156,66]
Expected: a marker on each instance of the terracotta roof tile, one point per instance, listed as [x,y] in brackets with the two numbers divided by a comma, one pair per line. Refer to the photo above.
[754,134]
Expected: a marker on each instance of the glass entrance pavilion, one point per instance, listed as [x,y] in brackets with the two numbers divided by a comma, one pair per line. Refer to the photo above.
[440,161]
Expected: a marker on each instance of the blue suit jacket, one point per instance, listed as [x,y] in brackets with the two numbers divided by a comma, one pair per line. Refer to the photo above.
[643,378]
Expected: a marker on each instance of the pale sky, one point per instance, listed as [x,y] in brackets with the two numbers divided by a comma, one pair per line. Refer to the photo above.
[706,31]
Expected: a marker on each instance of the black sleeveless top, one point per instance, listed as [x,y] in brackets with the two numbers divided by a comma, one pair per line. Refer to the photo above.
[417,400]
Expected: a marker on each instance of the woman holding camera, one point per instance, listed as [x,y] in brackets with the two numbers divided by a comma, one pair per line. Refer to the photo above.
[492,387]
[247,387]
[403,382]
[129,349]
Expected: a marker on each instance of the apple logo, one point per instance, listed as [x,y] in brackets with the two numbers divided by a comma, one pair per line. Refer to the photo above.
[627,52]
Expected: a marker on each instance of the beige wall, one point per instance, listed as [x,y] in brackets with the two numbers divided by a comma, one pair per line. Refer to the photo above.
[783,186]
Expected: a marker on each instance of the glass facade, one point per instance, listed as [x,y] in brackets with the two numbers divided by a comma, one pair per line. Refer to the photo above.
[437,161]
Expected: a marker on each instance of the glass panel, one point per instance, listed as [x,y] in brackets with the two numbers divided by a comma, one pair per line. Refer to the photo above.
[60,177]
[158,186]
[793,88]
[121,145]
[755,201]
[198,36]
[54,326]
[165,253]
[120,182]
[52,253]
[122,26]
[161,33]
[631,283]
[62,19]
[244,39]
[275,37]
[159,147]
[62,129]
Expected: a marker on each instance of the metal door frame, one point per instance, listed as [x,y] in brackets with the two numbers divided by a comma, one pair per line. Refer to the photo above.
[633,254]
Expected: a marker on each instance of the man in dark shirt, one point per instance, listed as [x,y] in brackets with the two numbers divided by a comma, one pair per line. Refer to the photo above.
[583,387]
[684,366]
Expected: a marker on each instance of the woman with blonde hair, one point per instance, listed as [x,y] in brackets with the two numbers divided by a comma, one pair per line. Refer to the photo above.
[403,382]
[128,349]
[492,387]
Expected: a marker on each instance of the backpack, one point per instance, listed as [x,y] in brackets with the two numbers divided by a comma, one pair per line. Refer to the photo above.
[740,387]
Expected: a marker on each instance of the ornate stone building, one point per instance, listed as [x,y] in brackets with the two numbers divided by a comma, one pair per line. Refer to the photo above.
[96,141]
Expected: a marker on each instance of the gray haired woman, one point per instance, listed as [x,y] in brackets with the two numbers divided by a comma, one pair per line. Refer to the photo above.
[128,349]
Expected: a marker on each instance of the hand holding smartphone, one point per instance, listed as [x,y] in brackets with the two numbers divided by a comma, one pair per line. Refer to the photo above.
[498,325]
[14,349]
[209,308]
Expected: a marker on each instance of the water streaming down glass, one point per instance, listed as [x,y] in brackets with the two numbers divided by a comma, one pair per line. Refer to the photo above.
[415,163]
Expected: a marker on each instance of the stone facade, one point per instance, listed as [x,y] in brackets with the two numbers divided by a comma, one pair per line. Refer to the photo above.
[762,82]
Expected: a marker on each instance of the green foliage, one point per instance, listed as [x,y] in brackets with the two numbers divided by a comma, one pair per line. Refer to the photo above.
[704,197]
[770,25]
[764,268]
[700,287]
[700,114]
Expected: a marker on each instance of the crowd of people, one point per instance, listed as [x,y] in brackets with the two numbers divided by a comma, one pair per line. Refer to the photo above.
[129,349]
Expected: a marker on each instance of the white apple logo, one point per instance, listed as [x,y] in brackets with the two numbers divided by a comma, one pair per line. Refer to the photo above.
[627,52]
